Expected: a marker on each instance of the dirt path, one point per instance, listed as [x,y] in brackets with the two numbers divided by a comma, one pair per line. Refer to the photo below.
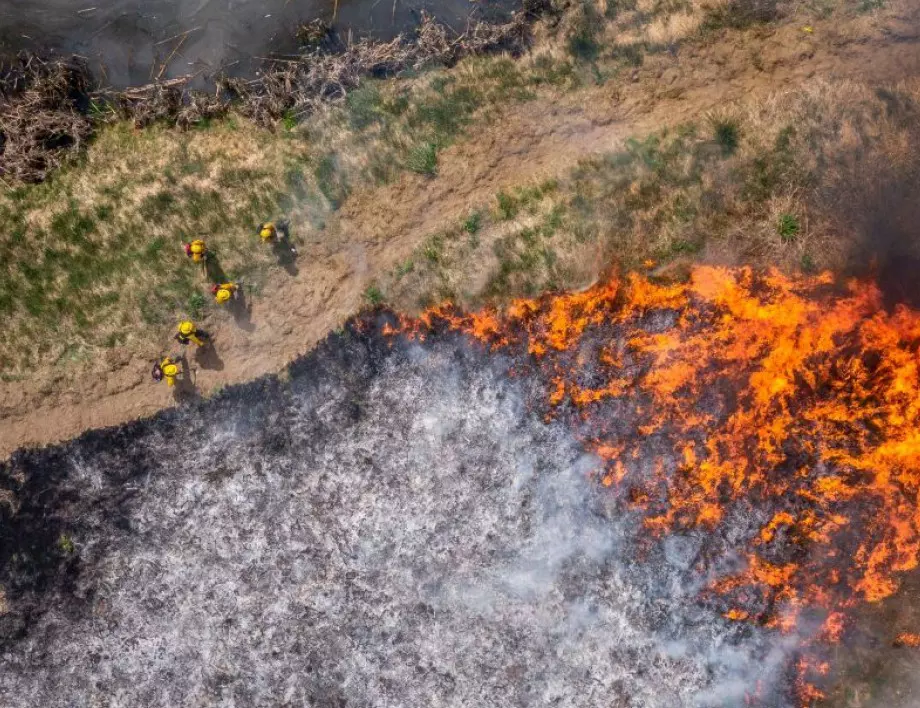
[377,229]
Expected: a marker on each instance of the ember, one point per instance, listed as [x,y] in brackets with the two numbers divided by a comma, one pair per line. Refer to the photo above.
[779,412]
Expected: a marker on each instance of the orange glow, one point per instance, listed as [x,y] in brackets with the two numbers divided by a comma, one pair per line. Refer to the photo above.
[907,639]
[782,399]
[833,627]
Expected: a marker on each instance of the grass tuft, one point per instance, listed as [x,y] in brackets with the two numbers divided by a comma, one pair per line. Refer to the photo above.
[196,305]
[373,295]
[403,269]
[423,159]
[583,46]
[788,227]
[473,223]
[507,206]
[727,134]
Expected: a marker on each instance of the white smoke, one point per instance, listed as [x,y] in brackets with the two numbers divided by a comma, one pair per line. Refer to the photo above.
[396,532]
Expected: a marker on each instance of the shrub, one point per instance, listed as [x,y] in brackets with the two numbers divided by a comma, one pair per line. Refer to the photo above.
[582,45]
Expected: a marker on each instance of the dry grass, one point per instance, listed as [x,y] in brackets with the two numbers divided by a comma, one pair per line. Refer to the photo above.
[94,255]
[667,23]
[679,196]
[385,127]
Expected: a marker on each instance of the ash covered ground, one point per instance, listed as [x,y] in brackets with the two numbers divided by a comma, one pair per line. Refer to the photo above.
[392,526]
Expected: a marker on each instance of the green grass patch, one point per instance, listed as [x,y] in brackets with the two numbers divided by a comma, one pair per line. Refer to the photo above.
[472,223]
[373,295]
[434,248]
[788,227]
[404,268]
[364,106]
[423,159]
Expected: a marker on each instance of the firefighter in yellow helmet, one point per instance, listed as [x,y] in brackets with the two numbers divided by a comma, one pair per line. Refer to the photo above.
[268,231]
[186,332]
[168,369]
[225,292]
[196,250]
[276,234]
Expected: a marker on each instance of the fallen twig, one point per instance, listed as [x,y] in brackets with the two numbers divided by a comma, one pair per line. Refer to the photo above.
[171,55]
[181,34]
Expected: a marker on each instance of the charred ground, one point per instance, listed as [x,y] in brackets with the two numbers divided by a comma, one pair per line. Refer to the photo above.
[394,522]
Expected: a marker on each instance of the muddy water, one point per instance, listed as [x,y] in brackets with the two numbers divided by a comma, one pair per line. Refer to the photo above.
[129,41]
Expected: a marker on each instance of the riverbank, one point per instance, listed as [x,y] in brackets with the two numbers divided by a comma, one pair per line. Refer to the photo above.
[491,179]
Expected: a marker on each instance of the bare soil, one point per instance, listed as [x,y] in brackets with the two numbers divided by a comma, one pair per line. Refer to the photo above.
[378,228]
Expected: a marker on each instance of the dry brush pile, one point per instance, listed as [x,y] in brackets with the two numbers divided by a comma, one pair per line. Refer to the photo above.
[43,115]
[49,109]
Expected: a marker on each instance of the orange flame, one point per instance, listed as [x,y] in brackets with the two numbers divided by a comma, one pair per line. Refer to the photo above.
[746,393]
[907,639]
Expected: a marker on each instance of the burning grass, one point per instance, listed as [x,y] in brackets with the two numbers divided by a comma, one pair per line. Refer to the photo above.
[779,414]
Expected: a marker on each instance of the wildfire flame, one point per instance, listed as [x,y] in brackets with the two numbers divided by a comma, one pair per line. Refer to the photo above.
[778,400]
[907,639]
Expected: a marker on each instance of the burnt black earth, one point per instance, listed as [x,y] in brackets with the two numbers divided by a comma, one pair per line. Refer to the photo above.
[392,523]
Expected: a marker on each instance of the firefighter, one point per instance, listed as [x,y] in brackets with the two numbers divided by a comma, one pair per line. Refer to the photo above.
[168,369]
[225,292]
[196,250]
[276,234]
[188,332]
[268,231]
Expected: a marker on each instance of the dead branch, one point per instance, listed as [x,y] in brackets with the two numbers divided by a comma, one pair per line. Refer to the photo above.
[46,107]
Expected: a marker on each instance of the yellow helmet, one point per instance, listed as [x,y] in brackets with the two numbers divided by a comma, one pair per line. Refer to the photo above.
[186,328]
[197,246]
[222,295]
[170,370]
[267,232]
